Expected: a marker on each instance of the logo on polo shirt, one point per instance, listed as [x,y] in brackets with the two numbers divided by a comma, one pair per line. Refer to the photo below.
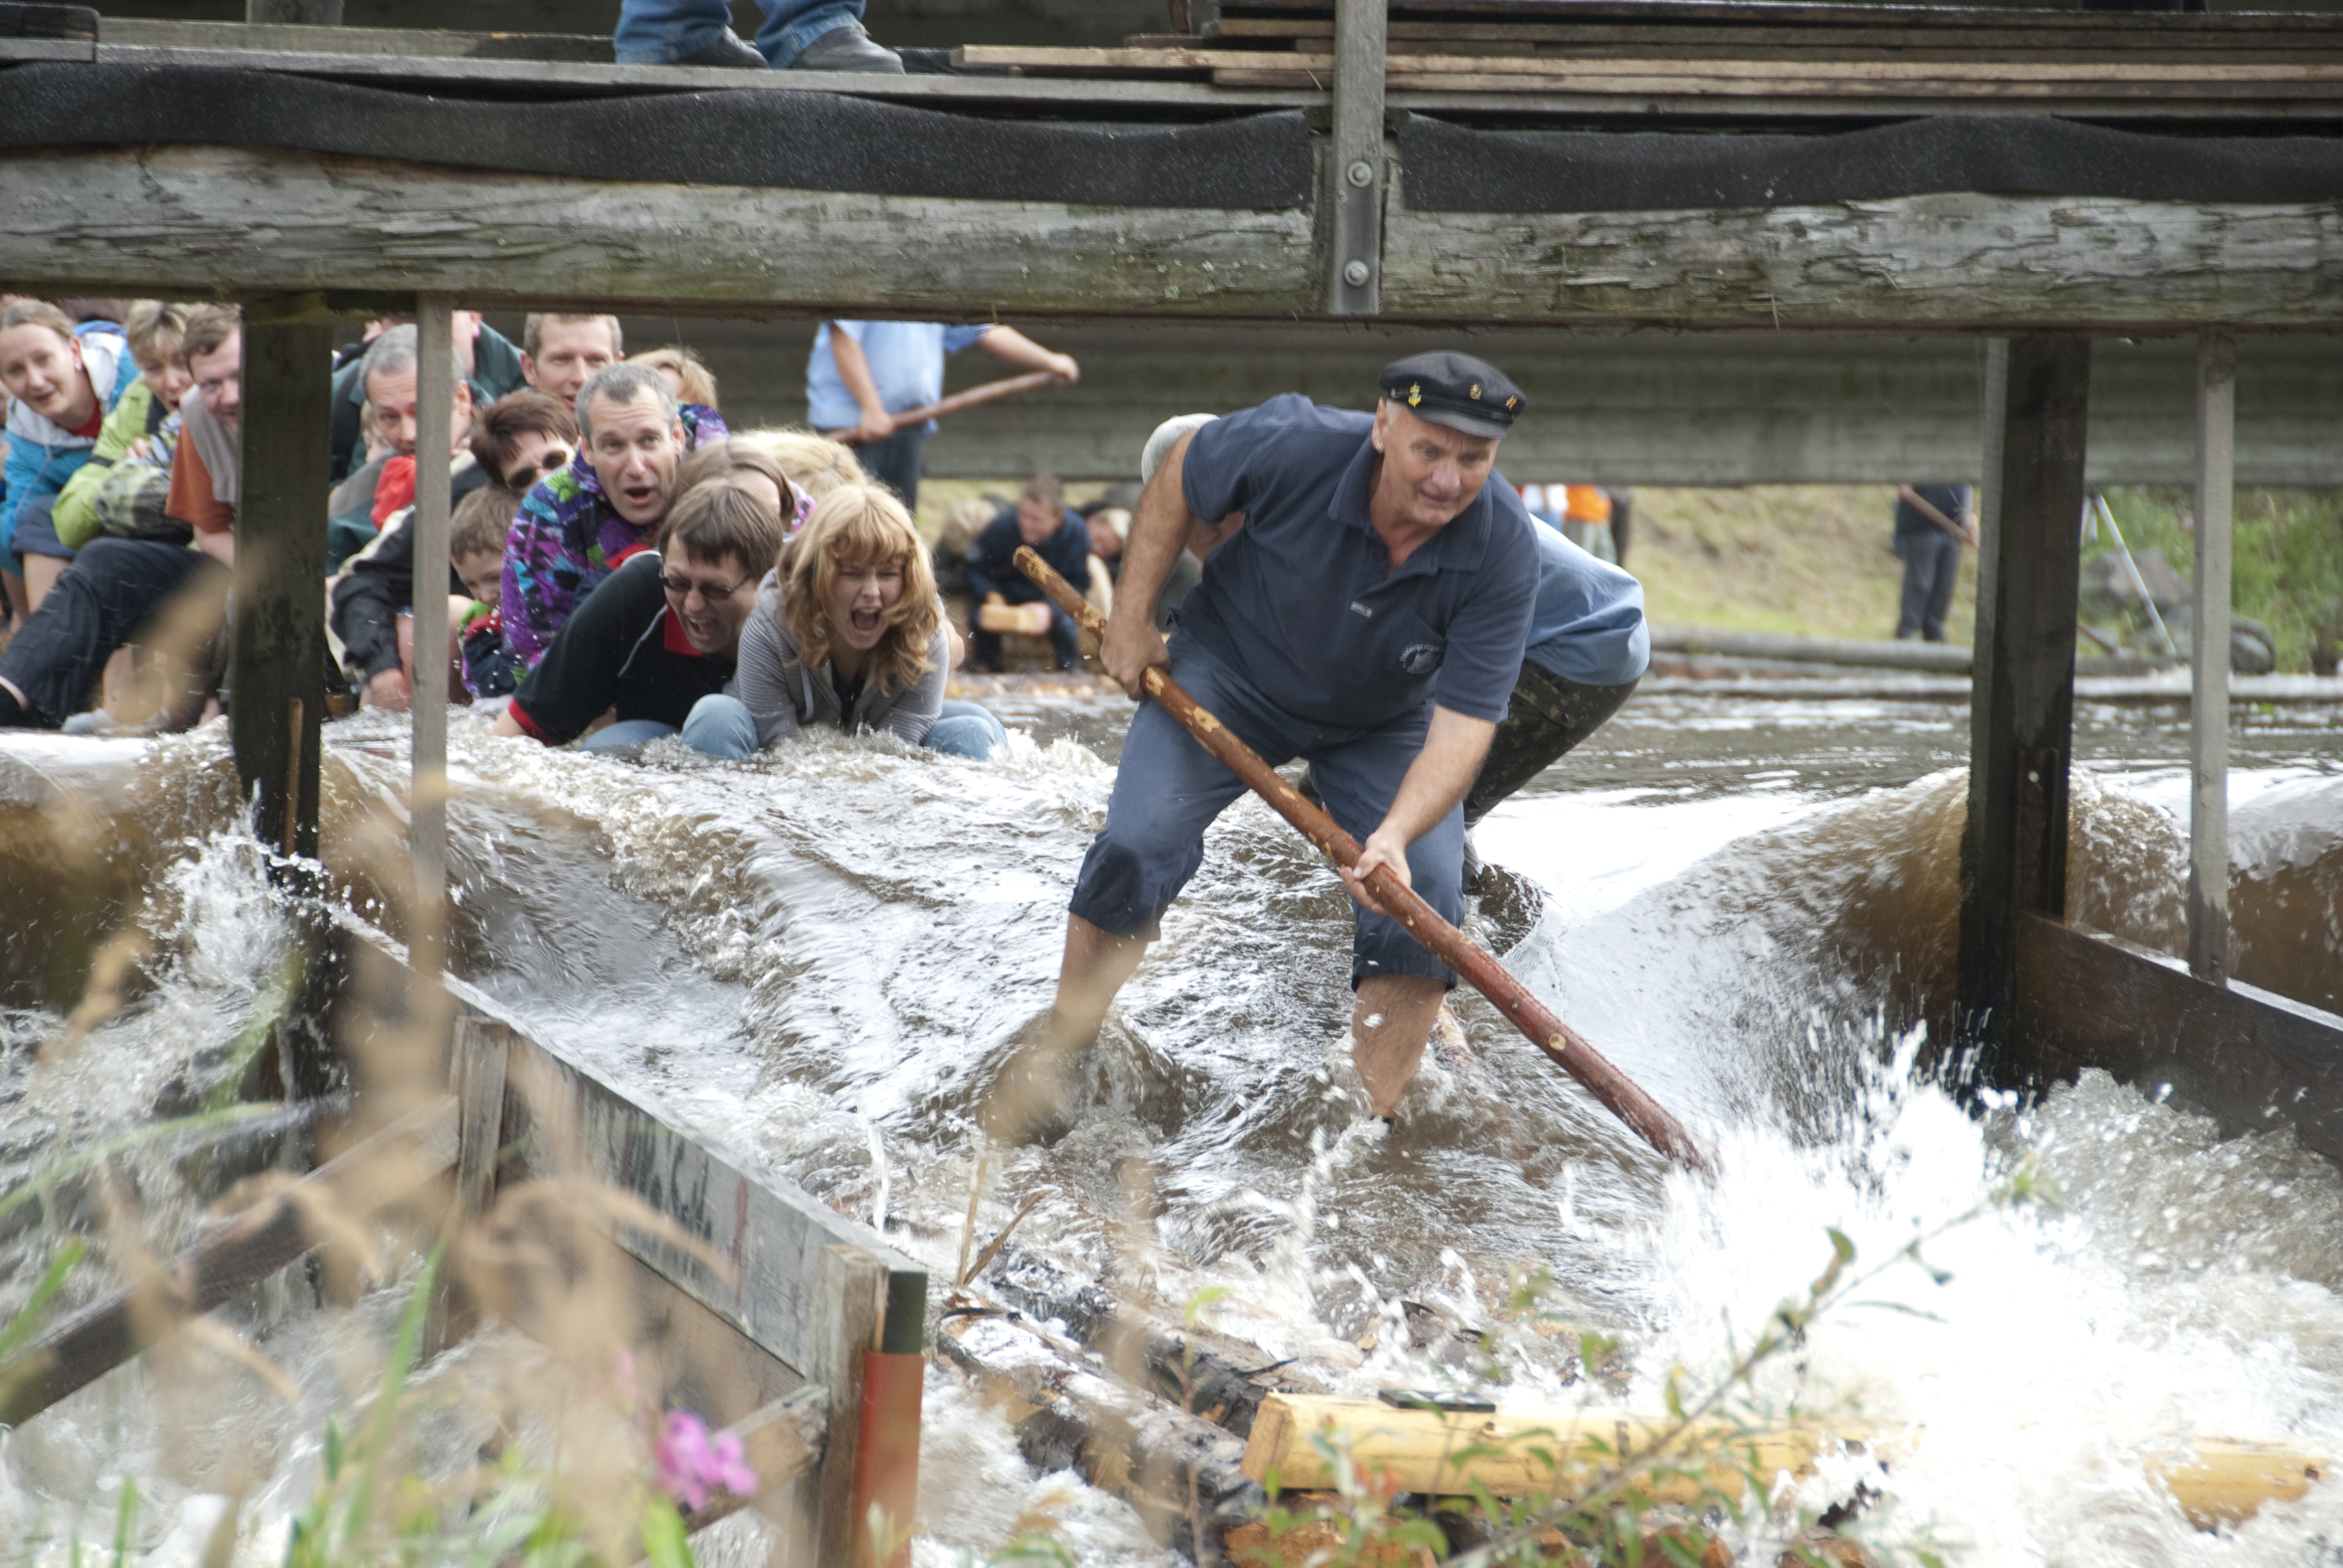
[1420,658]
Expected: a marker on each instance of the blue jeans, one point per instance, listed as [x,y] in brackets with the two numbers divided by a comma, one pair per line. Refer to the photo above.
[662,32]
[718,725]
[1169,788]
[966,729]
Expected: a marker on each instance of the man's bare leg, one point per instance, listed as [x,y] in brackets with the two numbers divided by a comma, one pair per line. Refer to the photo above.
[41,575]
[1391,1017]
[1095,965]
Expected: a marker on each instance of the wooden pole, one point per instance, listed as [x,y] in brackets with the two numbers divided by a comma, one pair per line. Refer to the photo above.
[2022,703]
[1566,1046]
[2208,660]
[277,643]
[973,397]
[1354,248]
[435,373]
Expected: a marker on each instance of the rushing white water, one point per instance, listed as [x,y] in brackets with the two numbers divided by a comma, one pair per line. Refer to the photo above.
[813,959]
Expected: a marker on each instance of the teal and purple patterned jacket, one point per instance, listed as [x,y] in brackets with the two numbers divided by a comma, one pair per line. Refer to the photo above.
[567,538]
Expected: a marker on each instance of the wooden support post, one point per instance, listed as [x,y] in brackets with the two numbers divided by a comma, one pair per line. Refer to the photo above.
[1354,248]
[476,1076]
[2208,660]
[849,1315]
[277,658]
[426,830]
[2022,703]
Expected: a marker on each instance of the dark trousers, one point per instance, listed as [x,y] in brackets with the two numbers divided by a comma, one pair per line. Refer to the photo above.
[984,647]
[110,594]
[897,463]
[1932,565]
[1548,715]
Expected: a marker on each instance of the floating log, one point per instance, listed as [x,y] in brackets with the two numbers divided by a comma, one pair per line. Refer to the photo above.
[1563,1450]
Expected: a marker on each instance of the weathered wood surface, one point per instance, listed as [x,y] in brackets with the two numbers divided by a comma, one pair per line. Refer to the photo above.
[2022,715]
[374,1174]
[783,1442]
[770,1236]
[2251,1059]
[277,634]
[1954,260]
[2208,658]
[191,219]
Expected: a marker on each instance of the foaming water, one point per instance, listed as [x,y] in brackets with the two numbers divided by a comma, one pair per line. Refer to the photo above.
[815,958]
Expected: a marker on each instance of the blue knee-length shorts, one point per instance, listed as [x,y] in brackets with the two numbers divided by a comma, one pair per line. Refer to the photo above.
[1168,789]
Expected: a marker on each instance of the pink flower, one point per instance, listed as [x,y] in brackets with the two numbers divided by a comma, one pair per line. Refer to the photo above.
[692,1465]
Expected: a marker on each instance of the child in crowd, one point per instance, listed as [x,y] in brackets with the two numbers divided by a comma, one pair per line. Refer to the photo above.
[687,376]
[657,643]
[61,386]
[154,333]
[847,631]
[747,466]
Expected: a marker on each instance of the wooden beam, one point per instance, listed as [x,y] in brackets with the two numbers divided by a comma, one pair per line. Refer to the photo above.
[2252,1059]
[278,650]
[2208,642]
[377,1173]
[2021,717]
[294,13]
[1955,260]
[783,1442]
[1356,173]
[195,219]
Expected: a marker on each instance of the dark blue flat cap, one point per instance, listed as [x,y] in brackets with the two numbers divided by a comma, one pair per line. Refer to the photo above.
[1456,390]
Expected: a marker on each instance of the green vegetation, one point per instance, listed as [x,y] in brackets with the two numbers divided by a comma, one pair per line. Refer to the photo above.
[2286,558]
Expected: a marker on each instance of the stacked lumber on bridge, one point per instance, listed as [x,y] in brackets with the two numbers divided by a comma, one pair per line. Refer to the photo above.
[1700,50]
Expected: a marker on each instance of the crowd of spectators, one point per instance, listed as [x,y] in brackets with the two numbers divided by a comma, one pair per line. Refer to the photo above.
[610,542]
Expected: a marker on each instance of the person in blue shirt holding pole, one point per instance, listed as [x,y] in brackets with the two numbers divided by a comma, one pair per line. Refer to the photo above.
[1369,616]
[862,374]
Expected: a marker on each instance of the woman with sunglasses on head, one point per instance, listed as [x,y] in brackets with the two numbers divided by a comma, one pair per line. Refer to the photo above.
[656,645]
[848,632]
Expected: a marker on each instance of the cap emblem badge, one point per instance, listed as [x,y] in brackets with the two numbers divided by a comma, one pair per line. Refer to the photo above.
[1511,401]
[1476,391]
[1416,395]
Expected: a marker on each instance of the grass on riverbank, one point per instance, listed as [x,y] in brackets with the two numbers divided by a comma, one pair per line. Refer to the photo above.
[1812,559]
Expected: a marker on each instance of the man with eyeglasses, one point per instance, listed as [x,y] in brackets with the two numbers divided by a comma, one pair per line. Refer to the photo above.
[656,647]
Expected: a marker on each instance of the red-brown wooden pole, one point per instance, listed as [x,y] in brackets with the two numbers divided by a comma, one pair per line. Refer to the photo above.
[1564,1044]
[960,400]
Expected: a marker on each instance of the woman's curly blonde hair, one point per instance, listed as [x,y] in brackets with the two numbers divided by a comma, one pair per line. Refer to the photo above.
[861,526]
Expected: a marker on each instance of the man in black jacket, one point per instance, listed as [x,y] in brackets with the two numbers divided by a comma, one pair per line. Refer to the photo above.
[1042,519]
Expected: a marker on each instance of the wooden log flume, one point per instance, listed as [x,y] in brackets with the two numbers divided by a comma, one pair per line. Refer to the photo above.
[1569,1048]
[975,396]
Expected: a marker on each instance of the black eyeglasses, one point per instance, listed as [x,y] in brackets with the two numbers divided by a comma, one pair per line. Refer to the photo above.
[681,587]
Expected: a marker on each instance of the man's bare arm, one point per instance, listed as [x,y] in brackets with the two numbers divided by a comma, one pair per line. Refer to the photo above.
[854,369]
[1012,347]
[1435,781]
[1158,532]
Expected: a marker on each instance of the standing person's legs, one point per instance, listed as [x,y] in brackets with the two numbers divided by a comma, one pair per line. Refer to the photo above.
[662,32]
[115,588]
[1940,588]
[966,729]
[1548,715]
[897,463]
[1913,607]
[791,26]
[1623,520]
[1167,790]
[1398,986]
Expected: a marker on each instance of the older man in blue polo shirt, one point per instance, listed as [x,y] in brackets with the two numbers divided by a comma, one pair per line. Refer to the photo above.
[1370,617]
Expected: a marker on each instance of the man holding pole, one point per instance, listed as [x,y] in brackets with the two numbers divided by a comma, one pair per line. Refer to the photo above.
[1369,617]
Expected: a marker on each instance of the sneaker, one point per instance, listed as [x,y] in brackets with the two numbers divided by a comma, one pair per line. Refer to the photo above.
[728,50]
[847,48]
